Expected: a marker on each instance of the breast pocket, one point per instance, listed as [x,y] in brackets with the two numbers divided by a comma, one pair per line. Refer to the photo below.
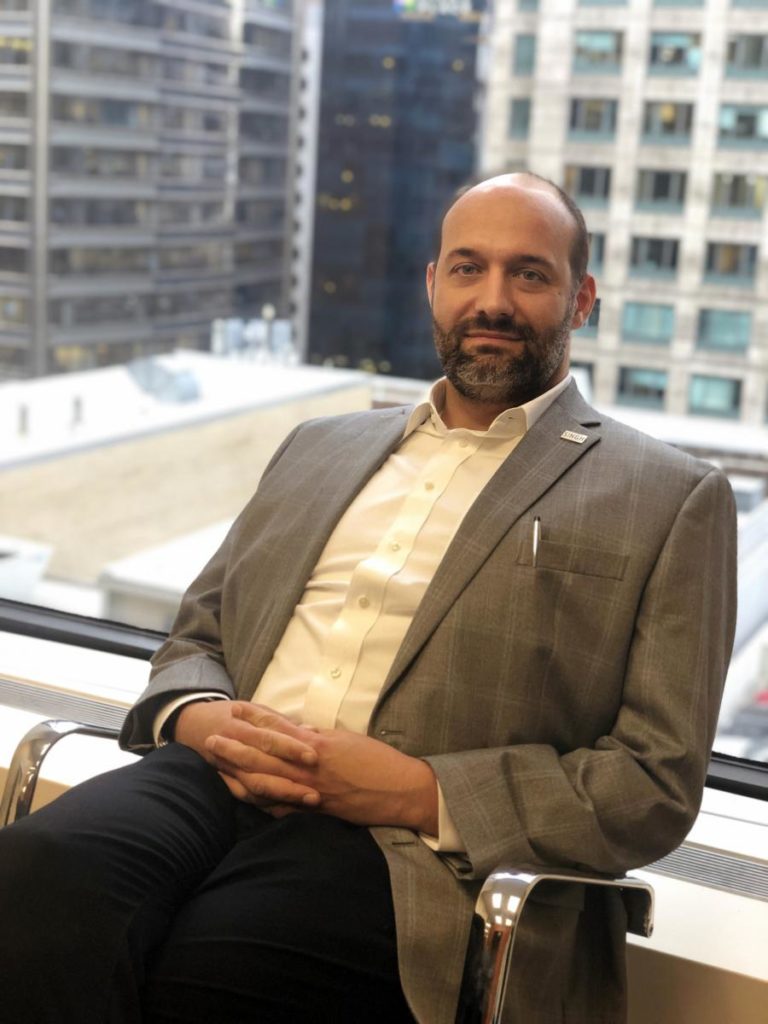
[575,559]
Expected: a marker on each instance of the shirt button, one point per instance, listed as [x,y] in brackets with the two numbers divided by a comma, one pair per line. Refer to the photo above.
[463,443]
[429,486]
[335,673]
[363,602]
[394,546]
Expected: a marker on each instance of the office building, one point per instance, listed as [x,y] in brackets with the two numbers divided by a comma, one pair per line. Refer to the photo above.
[655,118]
[397,133]
[143,174]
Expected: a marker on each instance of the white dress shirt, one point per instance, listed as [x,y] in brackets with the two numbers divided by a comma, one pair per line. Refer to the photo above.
[337,649]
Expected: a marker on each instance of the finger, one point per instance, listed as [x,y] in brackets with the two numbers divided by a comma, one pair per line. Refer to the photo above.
[249,757]
[278,744]
[273,790]
[264,717]
[280,810]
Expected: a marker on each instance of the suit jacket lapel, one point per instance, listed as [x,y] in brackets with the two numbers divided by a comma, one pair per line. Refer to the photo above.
[539,460]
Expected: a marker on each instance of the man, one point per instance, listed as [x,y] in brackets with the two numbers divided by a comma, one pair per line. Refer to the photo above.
[494,628]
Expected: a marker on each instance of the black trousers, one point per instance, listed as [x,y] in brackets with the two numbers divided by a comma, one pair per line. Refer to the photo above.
[150,894]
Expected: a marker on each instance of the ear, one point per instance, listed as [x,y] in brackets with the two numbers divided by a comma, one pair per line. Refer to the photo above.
[584,301]
[431,282]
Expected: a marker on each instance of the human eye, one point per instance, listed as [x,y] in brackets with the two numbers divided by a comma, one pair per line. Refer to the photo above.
[529,275]
[465,269]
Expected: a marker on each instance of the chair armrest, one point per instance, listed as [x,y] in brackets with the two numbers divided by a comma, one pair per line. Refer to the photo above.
[28,759]
[497,914]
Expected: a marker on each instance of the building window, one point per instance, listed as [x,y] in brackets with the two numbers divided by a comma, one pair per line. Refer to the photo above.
[714,396]
[524,59]
[743,126]
[519,118]
[14,158]
[739,195]
[14,312]
[14,49]
[590,185]
[13,104]
[661,190]
[675,53]
[596,251]
[593,118]
[648,323]
[597,52]
[13,261]
[731,263]
[13,208]
[726,330]
[747,56]
[678,3]
[654,257]
[641,386]
[667,122]
[589,328]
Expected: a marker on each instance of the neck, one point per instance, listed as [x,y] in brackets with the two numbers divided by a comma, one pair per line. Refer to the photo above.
[459,411]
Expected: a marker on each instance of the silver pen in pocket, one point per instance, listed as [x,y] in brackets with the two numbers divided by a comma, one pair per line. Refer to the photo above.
[536,538]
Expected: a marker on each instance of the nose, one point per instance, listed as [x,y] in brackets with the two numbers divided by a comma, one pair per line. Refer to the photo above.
[494,296]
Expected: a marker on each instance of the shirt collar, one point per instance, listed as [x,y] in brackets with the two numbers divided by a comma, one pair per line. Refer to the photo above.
[510,423]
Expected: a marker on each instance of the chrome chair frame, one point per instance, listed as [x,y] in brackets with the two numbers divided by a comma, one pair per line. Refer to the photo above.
[499,906]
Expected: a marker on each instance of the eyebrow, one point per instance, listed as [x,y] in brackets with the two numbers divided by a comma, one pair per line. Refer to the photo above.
[528,258]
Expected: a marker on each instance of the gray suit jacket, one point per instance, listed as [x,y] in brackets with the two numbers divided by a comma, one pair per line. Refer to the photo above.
[567,708]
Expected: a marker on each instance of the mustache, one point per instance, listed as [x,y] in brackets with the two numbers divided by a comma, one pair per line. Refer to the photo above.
[503,324]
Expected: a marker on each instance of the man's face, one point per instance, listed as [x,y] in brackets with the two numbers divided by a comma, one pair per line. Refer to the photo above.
[503,300]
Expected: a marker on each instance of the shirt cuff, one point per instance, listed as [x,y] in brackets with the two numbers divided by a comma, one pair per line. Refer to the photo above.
[447,839]
[167,710]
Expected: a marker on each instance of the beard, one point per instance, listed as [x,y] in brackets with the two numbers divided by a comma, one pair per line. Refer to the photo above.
[494,375]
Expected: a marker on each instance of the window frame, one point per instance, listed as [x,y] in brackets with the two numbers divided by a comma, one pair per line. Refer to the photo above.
[735,775]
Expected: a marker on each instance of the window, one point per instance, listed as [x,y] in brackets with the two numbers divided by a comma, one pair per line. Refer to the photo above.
[597,52]
[593,118]
[747,56]
[13,261]
[519,118]
[596,251]
[13,104]
[13,208]
[724,329]
[667,122]
[740,195]
[589,185]
[14,50]
[731,263]
[589,329]
[654,257]
[643,387]
[14,312]
[100,261]
[714,396]
[743,126]
[661,190]
[524,58]
[648,323]
[675,53]
[14,158]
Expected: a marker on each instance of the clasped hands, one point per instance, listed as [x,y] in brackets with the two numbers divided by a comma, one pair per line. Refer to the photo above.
[267,760]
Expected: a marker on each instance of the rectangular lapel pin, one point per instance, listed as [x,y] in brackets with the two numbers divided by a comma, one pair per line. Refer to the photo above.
[570,435]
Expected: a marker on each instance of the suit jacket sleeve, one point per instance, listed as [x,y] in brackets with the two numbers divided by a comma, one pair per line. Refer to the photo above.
[631,797]
[193,658]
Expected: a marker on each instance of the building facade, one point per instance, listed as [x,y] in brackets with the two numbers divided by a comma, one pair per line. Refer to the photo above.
[397,135]
[654,116]
[143,174]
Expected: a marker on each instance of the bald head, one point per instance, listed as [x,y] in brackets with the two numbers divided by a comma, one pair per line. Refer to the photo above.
[546,195]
